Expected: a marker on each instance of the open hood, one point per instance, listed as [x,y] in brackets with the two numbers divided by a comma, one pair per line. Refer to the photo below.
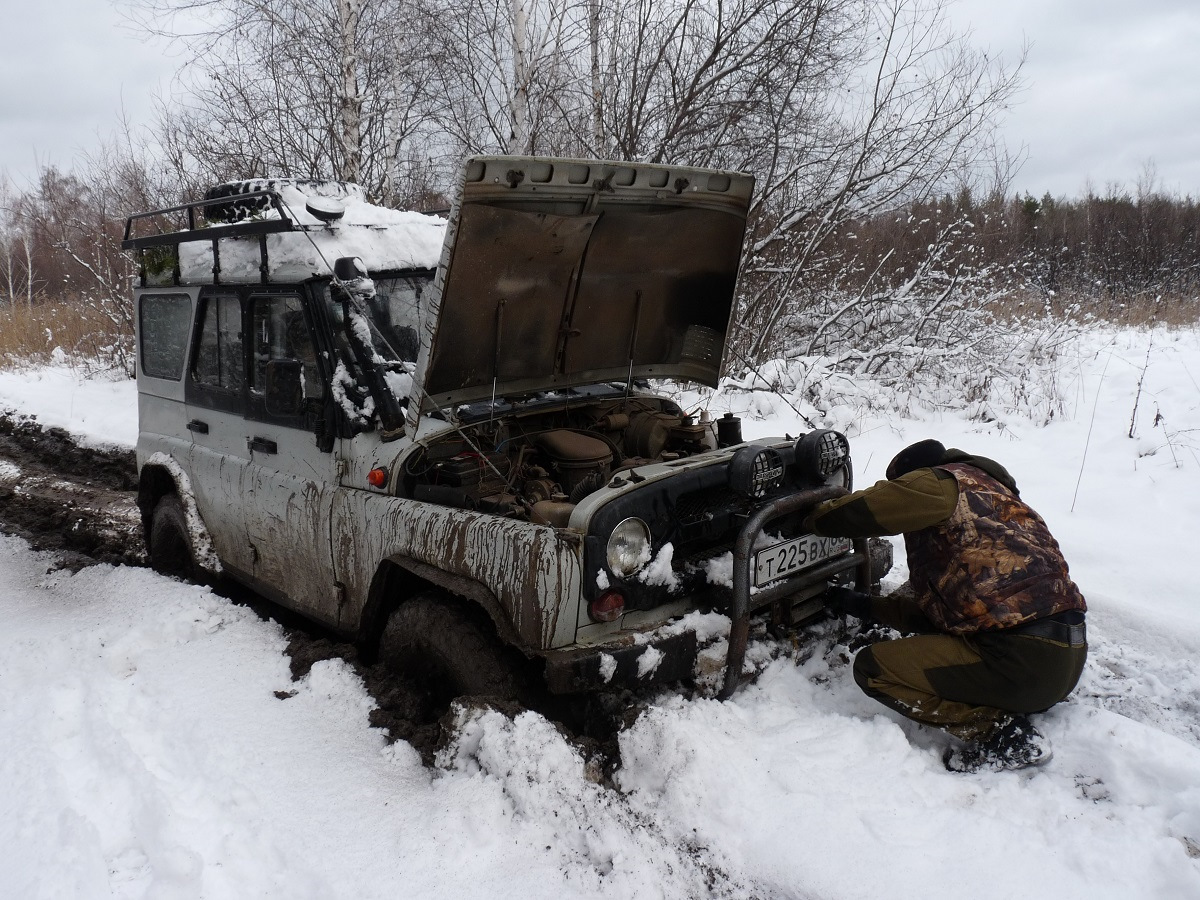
[558,273]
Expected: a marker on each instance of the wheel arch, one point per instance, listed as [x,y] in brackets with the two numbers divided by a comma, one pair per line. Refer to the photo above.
[399,577]
[159,476]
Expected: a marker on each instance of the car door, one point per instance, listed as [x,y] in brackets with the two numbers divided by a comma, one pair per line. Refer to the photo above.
[290,480]
[215,404]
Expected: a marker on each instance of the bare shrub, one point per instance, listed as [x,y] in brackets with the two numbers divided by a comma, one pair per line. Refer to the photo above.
[76,225]
[71,226]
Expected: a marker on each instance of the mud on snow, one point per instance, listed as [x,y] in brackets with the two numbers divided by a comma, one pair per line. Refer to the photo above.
[80,503]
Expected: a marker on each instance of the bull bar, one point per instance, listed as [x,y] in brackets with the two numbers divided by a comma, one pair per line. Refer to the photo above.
[745,603]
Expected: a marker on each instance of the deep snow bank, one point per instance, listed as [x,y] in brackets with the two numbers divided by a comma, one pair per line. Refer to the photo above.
[151,745]
[148,754]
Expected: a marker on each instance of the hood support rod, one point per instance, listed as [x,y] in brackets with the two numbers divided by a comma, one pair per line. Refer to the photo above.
[637,318]
[496,357]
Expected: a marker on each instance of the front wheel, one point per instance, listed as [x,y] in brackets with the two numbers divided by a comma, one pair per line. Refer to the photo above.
[449,651]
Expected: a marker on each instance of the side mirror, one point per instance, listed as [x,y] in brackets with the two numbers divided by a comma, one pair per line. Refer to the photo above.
[349,268]
[285,387]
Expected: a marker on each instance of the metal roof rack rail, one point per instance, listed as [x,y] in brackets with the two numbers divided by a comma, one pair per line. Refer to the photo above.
[212,233]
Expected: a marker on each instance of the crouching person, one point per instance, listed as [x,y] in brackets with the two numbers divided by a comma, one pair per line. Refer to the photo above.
[1000,623]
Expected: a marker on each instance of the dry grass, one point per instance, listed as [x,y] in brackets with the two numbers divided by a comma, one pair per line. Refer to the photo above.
[1138,310]
[30,334]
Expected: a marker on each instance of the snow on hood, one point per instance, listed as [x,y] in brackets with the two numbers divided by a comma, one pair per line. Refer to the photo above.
[383,238]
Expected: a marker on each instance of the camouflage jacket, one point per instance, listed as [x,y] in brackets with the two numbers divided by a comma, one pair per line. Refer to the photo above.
[993,564]
[979,558]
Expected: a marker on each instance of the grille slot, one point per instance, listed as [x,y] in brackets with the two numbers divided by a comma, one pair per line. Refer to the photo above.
[701,507]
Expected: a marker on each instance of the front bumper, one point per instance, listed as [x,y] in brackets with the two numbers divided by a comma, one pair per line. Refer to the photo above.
[660,660]
[635,660]
[747,601]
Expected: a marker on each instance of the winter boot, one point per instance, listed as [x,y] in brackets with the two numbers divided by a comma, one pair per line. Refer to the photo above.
[1012,744]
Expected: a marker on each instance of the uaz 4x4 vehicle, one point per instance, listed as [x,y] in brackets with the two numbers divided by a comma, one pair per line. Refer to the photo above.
[434,436]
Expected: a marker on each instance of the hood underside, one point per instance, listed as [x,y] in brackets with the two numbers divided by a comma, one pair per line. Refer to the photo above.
[558,273]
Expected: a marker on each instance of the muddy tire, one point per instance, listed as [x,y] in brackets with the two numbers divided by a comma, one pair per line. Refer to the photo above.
[449,652]
[170,547]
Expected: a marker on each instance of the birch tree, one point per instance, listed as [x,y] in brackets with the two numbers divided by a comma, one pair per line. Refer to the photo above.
[842,109]
[302,88]
[16,248]
[506,75]
[75,225]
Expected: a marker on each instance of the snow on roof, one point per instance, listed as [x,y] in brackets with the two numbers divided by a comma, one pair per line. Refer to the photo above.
[383,238]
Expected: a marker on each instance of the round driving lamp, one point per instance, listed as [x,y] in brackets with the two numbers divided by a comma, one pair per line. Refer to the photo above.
[628,547]
[821,454]
[755,471]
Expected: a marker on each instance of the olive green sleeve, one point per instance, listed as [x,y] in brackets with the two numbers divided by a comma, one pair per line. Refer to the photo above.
[920,499]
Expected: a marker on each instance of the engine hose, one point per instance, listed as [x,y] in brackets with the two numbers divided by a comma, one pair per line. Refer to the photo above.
[589,485]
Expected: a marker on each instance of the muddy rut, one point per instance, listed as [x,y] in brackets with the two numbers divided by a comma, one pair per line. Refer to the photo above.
[80,502]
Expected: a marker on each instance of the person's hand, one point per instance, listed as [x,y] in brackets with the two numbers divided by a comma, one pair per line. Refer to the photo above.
[844,601]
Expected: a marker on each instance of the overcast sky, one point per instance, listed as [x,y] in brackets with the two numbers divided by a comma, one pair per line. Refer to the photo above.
[1111,86]
[66,70]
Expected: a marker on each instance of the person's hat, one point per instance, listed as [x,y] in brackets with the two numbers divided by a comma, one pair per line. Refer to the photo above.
[915,456]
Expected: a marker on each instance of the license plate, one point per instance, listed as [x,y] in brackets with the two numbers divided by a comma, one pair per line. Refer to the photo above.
[790,557]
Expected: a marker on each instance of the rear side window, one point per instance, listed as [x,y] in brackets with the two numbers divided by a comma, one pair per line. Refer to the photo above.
[220,362]
[164,323]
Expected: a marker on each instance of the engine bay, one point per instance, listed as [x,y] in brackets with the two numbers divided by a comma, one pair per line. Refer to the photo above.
[538,466]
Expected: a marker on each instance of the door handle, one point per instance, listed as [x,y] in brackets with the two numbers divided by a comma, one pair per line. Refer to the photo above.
[262,445]
[197,426]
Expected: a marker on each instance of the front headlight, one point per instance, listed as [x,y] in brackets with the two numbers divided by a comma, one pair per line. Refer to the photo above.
[628,547]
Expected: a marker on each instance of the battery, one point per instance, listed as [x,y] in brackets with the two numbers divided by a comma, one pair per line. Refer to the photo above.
[473,472]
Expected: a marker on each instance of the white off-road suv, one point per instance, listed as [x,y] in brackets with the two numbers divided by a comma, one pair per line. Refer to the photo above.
[434,436]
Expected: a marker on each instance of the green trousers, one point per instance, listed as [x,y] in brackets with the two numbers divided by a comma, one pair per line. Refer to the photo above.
[966,684]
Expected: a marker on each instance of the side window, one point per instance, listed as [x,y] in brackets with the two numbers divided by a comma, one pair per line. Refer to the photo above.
[219,350]
[281,336]
[164,321]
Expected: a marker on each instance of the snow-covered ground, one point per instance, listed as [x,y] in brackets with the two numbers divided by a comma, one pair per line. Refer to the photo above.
[99,411]
[149,746]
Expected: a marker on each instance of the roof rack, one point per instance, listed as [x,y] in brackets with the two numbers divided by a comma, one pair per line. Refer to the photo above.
[212,233]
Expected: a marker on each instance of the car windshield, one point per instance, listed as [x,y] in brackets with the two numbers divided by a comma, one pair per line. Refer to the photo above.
[397,312]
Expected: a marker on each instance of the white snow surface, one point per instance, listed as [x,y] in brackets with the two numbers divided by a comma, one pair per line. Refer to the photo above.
[659,570]
[100,410]
[144,752]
